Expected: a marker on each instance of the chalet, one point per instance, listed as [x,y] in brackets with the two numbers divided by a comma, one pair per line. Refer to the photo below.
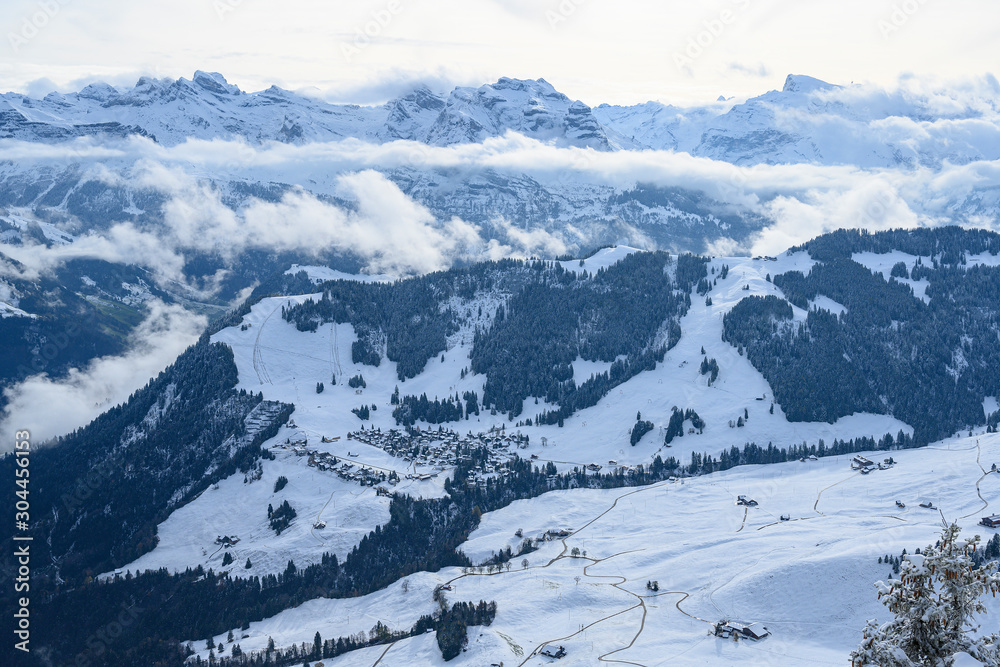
[785,517]
[612,462]
[736,629]
[900,505]
[928,505]
[860,463]
[558,534]
[990,521]
[226,540]
[319,525]
[747,502]
[556,653]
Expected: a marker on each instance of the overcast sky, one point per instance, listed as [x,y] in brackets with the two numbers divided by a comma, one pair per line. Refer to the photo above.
[625,51]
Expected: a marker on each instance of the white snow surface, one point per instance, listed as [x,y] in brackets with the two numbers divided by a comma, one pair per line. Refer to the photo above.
[601,259]
[809,580]
[320,274]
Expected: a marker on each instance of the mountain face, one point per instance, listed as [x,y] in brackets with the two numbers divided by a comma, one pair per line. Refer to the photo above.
[811,121]
[208,107]
[807,121]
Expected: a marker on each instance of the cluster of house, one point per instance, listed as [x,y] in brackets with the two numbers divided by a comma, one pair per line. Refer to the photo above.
[866,466]
[364,475]
[442,448]
[766,258]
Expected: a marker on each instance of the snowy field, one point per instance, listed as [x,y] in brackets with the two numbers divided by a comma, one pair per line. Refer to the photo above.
[808,580]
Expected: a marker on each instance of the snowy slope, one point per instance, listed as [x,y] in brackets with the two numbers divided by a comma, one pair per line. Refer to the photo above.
[808,580]
[285,364]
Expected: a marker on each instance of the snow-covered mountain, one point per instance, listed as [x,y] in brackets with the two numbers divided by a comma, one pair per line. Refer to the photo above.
[811,121]
[209,107]
[807,121]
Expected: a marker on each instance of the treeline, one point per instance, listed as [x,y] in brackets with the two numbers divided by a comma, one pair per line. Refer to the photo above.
[99,493]
[572,398]
[949,244]
[928,364]
[411,409]
[450,624]
[403,320]
[629,310]
[421,535]
[627,314]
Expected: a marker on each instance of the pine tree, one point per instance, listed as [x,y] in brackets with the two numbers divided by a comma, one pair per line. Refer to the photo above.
[934,600]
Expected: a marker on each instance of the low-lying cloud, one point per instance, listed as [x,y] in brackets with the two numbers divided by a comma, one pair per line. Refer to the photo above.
[393,233]
[50,408]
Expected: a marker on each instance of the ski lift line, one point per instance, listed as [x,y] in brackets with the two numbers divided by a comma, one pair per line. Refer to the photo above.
[258,358]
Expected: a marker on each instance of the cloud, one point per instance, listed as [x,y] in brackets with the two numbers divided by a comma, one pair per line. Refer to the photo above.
[351,204]
[759,70]
[874,205]
[50,408]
